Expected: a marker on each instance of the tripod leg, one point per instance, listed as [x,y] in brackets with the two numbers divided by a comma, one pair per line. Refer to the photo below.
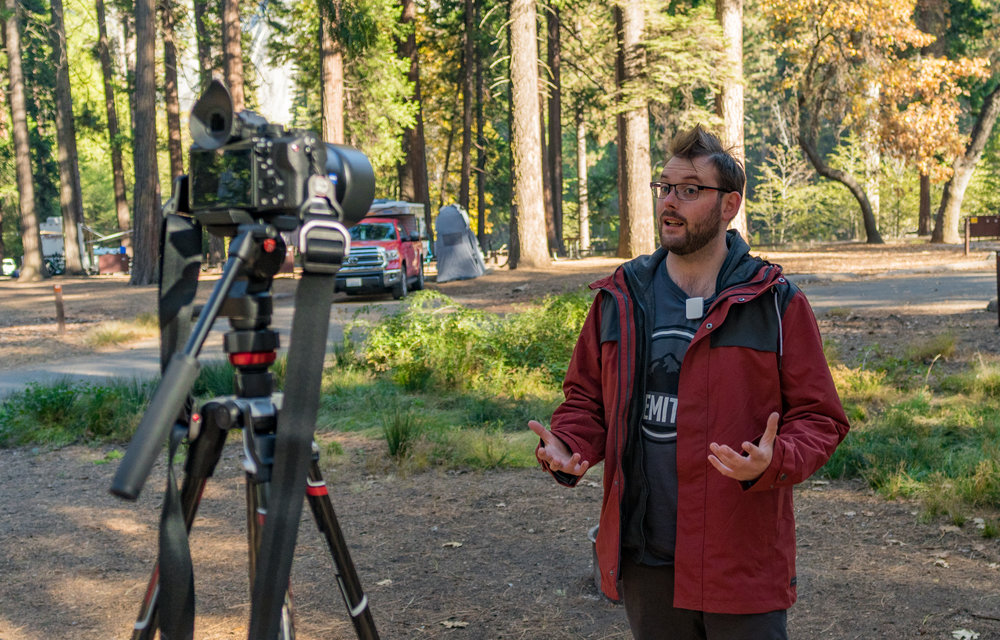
[203,455]
[256,498]
[347,577]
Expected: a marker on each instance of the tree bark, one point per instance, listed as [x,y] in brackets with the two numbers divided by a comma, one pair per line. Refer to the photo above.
[924,214]
[123,214]
[550,222]
[70,196]
[332,65]
[480,151]
[468,88]
[167,20]
[232,52]
[145,263]
[554,154]
[414,185]
[583,206]
[31,238]
[947,220]
[636,230]
[206,64]
[525,138]
[729,101]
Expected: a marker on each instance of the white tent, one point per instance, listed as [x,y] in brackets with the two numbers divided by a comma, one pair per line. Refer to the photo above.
[456,248]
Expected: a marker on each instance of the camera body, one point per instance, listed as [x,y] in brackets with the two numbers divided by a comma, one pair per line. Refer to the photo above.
[245,170]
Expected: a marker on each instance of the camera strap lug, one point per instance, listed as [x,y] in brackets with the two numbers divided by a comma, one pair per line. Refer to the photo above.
[323,244]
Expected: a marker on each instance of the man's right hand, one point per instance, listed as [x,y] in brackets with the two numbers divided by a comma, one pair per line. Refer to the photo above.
[556,454]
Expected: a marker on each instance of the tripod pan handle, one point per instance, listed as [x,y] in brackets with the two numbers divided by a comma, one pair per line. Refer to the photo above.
[162,413]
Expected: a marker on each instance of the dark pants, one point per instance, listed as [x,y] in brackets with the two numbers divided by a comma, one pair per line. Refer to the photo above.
[649,593]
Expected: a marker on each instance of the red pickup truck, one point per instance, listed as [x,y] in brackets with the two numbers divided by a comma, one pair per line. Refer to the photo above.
[387,251]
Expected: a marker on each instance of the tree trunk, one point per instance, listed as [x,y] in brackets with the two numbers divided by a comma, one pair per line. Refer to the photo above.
[729,101]
[167,18]
[949,212]
[637,230]
[525,138]
[414,185]
[480,151]
[583,206]
[232,52]
[924,215]
[554,154]
[468,87]
[332,65]
[551,240]
[206,64]
[846,179]
[31,238]
[70,196]
[447,159]
[145,263]
[124,216]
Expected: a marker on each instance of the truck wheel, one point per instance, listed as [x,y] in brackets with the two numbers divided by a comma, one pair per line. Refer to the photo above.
[399,291]
[420,278]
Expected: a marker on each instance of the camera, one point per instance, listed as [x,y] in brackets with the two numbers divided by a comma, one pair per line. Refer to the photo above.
[245,170]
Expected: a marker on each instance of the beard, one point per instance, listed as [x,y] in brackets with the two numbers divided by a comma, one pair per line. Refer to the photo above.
[695,236]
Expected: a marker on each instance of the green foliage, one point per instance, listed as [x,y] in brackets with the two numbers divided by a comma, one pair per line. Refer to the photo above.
[65,412]
[432,341]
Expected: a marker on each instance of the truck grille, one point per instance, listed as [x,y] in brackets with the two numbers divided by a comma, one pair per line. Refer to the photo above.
[365,258]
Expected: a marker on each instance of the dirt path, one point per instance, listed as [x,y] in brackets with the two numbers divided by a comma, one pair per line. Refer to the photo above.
[467,555]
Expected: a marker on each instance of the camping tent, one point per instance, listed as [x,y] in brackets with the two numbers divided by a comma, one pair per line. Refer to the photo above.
[456,248]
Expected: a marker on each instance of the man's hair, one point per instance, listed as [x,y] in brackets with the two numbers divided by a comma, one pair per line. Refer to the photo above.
[698,143]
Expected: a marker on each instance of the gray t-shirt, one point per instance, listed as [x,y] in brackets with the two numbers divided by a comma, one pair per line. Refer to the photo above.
[673,329]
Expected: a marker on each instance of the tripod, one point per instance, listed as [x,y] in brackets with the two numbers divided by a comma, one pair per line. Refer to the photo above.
[277,427]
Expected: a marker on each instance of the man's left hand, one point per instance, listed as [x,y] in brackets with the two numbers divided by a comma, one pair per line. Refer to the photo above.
[752,465]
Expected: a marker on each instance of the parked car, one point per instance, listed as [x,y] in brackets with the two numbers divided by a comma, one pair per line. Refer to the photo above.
[10,268]
[387,251]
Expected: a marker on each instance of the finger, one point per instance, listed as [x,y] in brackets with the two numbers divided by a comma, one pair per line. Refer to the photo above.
[541,432]
[771,432]
[726,455]
[721,468]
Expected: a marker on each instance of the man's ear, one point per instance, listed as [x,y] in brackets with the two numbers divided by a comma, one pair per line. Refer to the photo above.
[731,205]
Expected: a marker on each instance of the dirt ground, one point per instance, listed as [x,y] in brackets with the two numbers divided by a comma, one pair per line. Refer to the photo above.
[484,555]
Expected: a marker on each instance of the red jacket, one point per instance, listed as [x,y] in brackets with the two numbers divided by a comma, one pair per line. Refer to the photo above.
[758,350]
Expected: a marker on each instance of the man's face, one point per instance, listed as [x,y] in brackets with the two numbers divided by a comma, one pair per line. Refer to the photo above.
[688,226]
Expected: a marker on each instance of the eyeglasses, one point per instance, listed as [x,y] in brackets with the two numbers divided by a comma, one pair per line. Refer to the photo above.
[684,191]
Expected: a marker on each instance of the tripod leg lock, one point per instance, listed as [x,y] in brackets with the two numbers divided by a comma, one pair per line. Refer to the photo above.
[323,245]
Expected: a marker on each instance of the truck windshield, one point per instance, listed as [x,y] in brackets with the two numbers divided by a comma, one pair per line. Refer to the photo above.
[373,231]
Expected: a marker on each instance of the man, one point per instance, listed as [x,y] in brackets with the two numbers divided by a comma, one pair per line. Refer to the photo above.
[699,379]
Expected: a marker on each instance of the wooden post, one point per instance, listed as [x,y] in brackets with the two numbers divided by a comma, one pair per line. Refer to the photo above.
[998,288]
[61,314]
[968,234]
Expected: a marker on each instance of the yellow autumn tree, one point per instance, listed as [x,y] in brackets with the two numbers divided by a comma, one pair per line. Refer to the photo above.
[854,66]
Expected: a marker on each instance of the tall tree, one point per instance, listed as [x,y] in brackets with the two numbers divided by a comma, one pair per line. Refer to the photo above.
[468,101]
[70,196]
[232,52]
[554,152]
[729,101]
[31,239]
[203,14]
[480,149]
[636,231]
[838,56]
[413,184]
[146,198]
[123,214]
[531,250]
[168,18]
[332,70]
[583,205]
[946,222]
